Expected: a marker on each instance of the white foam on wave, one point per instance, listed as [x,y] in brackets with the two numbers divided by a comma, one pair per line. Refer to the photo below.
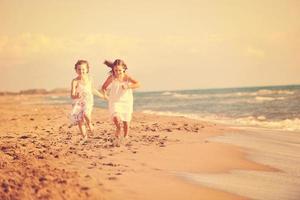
[256,100]
[260,95]
[251,121]
[175,114]
[268,92]
[177,95]
[183,96]
[261,121]
[263,99]
[166,93]
[196,96]
[259,98]
[263,94]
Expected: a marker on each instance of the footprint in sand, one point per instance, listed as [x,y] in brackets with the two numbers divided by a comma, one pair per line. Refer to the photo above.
[84,188]
[109,164]
[8,137]
[5,187]
[24,137]
[56,156]
[97,146]
[162,145]
[42,179]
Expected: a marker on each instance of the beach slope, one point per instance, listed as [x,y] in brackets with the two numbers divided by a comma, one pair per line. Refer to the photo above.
[43,158]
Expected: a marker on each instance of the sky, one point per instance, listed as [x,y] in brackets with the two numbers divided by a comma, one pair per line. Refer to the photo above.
[166,44]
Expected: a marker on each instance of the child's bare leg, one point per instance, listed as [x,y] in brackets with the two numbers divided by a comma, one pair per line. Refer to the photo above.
[89,123]
[82,129]
[126,128]
[118,126]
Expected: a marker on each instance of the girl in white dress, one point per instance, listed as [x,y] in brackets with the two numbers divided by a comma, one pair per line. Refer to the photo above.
[82,91]
[120,98]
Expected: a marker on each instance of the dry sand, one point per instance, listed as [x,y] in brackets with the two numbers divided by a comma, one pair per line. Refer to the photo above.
[42,158]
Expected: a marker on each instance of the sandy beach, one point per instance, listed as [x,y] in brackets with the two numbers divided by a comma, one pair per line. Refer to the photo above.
[164,158]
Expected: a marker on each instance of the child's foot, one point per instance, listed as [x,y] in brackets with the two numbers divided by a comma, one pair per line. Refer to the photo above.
[117,141]
[84,139]
[124,139]
[91,128]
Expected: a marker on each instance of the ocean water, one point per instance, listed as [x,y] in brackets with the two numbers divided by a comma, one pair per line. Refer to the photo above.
[278,149]
[273,107]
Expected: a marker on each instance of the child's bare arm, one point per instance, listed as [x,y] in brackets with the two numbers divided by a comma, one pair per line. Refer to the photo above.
[73,90]
[106,84]
[99,94]
[95,91]
[133,84]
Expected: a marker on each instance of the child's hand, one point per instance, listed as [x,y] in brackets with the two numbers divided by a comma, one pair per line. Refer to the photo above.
[105,97]
[77,96]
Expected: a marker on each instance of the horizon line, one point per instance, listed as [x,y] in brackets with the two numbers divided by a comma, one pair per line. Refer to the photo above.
[163,90]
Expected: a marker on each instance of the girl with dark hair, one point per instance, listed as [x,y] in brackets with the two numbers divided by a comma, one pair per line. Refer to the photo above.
[120,98]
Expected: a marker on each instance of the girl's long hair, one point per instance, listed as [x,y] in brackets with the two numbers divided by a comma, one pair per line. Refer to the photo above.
[117,62]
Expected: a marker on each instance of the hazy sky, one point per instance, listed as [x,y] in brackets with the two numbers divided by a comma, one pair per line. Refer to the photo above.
[167,44]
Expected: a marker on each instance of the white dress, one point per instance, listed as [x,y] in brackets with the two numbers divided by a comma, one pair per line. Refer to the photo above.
[83,105]
[120,101]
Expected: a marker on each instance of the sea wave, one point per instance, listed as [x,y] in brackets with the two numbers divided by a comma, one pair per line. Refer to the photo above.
[286,124]
[251,121]
[262,99]
[265,92]
[261,95]
[175,114]
[166,93]
[268,92]
[252,100]
[177,95]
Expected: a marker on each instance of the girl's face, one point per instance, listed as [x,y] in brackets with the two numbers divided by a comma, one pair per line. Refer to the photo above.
[118,71]
[81,69]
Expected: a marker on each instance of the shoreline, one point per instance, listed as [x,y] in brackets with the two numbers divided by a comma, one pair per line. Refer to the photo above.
[247,122]
[287,125]
[268,147]
[37,143]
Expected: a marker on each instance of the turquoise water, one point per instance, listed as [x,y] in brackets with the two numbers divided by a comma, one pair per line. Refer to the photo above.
[270,107]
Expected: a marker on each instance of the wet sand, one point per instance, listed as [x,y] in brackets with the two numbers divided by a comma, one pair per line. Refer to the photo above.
[276,148]
[42,158]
